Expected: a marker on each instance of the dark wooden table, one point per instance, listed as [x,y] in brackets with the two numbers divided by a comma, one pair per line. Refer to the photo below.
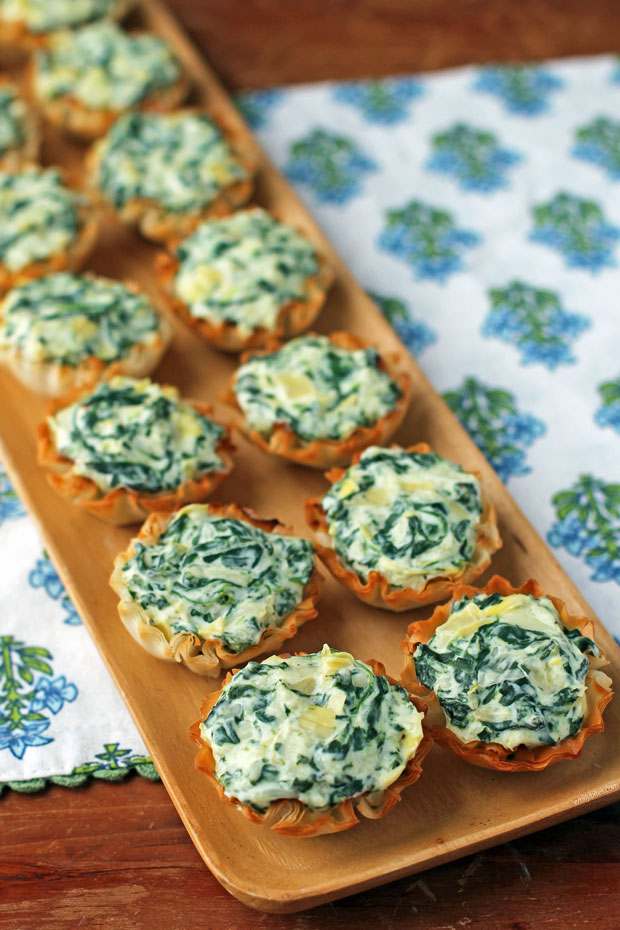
[116,856]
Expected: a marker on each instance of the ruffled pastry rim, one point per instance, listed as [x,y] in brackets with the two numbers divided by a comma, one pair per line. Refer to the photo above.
[70,259]
[378,591]
[16,33]
[159,224]
[291,817]
[325,453]
[71,115]
[55,379]
[122,506]
[206,656]
[294,317]
[494,755]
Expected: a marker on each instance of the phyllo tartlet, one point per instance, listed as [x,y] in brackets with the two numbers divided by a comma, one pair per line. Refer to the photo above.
[299,743]
[245,280]
[516,676]
[401,527]
[64,331]
[132,447]
[19,132]
[28,23]
[84,79]
[166,172]
[319,399]
[44,226]
[213,585]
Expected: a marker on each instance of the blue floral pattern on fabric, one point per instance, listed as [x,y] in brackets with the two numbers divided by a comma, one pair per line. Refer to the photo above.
[427,239]
[523,89]
[380,101]
[588,525]
[500,430]
[25,703]
[599,143]
[10,505]
[578,229]
[533,320]
[608,414]
[331,165]
[473,157]
[45,576]
[415,334]
[255,106]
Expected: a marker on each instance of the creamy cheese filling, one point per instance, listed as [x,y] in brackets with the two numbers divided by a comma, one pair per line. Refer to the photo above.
[179,160]
[45,15]
[316,388]
[136,434]
[104,67]
[243,269]
[320,728]
[506,671]
[38,217]
[12,116]
[221,578]
[65,318]
[410,516]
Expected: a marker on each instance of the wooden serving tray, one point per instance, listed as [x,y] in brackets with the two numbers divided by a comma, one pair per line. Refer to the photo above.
[455,808]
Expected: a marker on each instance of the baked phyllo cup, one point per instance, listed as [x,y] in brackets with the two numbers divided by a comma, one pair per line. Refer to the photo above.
[213,586]
[27,24]
[84,79]
[44,226]
[304,743]
[401,527]
[318,400]
[245,280]
[66,331]
[129,448]
[516,678]
[165,173]
[19,130]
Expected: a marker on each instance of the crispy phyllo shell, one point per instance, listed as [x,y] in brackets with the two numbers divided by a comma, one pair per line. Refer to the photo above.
[294,317]
[378,591]
[325,453]
[122,506]
[56,380]
[493,755]
[160,224]
[206,656]
[68,113]
[72,258]
[291,817]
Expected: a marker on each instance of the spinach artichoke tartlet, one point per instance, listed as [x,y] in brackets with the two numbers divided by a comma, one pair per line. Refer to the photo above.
[213,585]
[44,226]
[85,78]
[401,527]
[516,677]
[318,400]
[19,130]
[167,172]
[244,280]
[28,24]
[129,448]
[299,743]
[65,331]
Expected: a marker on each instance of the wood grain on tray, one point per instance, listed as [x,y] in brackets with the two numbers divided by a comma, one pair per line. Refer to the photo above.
[454,808]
